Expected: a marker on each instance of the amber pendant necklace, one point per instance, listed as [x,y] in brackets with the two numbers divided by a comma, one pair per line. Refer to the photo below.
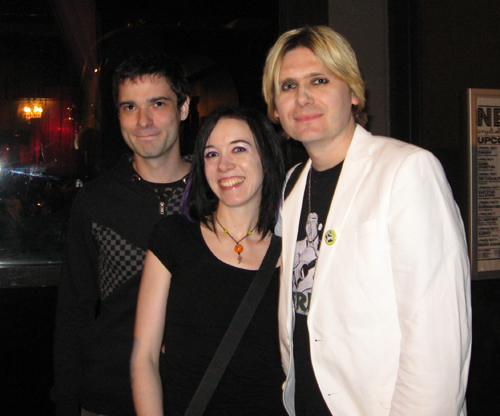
[238,247]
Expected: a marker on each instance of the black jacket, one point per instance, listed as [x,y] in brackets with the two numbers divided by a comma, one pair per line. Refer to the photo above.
[108,235]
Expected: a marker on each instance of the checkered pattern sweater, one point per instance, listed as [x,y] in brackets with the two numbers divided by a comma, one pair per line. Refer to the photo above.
[108,236]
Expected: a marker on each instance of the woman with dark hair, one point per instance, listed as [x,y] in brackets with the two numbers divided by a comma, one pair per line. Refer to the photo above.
[199,267]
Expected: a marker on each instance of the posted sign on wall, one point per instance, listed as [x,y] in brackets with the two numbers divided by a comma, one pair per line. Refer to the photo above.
[484,162]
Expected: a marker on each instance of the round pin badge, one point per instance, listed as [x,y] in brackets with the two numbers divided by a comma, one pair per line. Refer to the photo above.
[330,237]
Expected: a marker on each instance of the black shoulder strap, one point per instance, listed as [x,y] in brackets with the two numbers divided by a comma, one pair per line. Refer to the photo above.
[235,331]
[294,176]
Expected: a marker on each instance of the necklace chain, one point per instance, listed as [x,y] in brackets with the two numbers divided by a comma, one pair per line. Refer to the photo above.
[309,190]
[166,192]
[238,247]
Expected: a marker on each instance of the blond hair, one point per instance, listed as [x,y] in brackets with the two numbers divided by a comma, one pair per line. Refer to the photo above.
[331,49]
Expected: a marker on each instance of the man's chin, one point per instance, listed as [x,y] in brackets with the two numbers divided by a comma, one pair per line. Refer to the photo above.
[307,136]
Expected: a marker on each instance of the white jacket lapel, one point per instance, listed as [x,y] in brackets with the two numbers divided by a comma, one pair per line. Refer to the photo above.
[356,164]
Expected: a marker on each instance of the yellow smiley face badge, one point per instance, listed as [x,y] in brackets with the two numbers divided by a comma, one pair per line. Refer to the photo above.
[330,237]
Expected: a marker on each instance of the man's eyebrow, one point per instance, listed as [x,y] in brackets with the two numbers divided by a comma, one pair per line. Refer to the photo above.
[126,103]
[285,80]
[316,74]
[306,76]
[149,100]
[161,98]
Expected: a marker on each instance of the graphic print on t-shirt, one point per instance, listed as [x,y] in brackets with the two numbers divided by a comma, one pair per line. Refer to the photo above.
[304,264]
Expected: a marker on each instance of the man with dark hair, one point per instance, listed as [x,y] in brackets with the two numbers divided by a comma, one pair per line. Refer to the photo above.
[375,315]
[108,236]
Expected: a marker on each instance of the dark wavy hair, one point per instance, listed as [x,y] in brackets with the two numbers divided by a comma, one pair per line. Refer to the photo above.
[199,202]
[153,63]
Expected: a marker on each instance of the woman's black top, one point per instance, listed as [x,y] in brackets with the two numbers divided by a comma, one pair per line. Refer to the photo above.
[203,298]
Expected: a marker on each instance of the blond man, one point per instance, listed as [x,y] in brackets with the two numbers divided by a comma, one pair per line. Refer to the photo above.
[386,328]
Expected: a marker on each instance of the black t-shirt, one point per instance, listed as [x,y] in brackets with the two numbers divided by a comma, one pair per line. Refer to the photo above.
[203,298]
[315,207]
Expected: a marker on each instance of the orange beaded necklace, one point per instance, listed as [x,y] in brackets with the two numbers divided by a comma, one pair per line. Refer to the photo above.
[238,247]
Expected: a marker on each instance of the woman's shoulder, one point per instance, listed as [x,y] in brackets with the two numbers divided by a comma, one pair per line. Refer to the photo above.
[173,224]
[172,232]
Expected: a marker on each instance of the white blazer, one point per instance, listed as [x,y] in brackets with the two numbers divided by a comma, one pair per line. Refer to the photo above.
[390,317]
